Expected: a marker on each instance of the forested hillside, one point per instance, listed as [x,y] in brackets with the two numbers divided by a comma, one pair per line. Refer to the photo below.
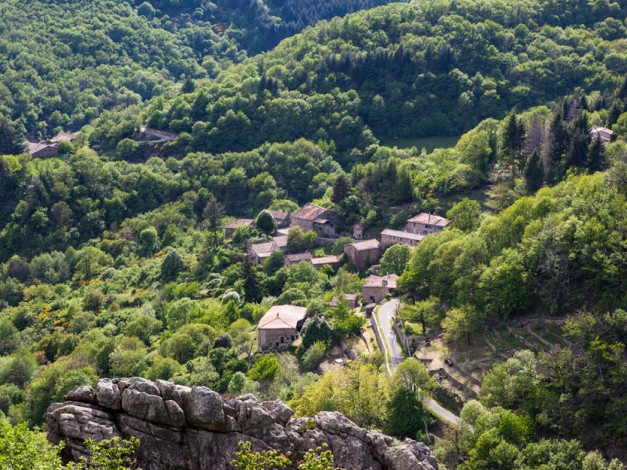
[116,261]
[63,62]
[66,61]
[258,24]
[403,70]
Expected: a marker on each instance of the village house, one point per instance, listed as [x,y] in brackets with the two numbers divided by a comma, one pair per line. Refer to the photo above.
[42,149]
[602,133]
[425,224]
[352,299]
[229,229]
[281,242]
[375,288]
[259,252]
[362,254]
[291,260]
[64,136]
[391,237]
[49,148]
[280,326]
[315,218]
[282,218]
[333,261]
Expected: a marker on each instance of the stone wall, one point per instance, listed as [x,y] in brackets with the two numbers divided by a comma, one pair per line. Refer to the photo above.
[194,428]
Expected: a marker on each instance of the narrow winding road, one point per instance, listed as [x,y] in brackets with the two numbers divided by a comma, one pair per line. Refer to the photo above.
[385,318]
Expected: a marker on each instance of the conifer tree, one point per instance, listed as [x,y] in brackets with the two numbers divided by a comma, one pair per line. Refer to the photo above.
[341,189]
[11,142]
[534,173]
[596,155]
[252,290]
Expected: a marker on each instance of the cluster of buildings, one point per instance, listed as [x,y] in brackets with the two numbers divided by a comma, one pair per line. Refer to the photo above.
[281,325]
[364,253]
[360,254]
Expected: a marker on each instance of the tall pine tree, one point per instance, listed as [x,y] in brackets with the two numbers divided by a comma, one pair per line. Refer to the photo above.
[534,173]
[596,156]
[556,153]
[11,142]
[341,189]
[252,290]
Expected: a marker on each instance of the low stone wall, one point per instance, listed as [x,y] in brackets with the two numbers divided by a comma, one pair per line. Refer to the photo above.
[455,383]
[195,429]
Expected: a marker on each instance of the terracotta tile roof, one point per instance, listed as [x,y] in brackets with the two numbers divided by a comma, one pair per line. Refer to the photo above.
[378,281]
[310,212]
[365,245]
[429,219]
[401,234]
[282,317]
[240,223]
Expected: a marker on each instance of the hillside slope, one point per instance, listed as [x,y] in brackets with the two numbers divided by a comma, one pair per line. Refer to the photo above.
[403,70]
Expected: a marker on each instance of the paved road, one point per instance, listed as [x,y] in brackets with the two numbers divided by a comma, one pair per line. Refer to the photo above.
[385,316]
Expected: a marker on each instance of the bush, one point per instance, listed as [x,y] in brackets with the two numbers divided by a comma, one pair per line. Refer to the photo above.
[93,301]
[313,356]
[316,329]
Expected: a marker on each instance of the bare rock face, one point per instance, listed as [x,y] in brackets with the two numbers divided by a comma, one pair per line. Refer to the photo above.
[193,428]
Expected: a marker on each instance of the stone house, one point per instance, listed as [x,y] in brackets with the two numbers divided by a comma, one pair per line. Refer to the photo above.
[229,229]
[259,252]
[315,218]
[375,288]
[602,133]
[282,218]
[363,253]
[391,237]
[42,149]
[352,299]
[425,224]
[281,242]
[296,258]
[280,326]
[64,136]
[49,148]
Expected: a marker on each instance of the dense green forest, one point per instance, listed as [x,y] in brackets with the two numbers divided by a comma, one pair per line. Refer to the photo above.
[66,61]
[258,25]
[113,258]
[404,70]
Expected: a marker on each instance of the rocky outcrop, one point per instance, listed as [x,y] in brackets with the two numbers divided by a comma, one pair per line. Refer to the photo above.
[194,428]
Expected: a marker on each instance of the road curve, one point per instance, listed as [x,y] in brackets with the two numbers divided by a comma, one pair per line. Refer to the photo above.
[385,316]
